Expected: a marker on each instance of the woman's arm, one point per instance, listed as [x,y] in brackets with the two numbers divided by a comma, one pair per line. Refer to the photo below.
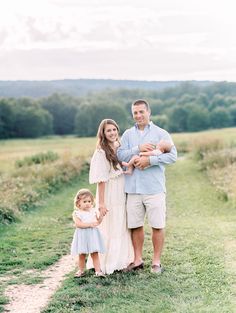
[101,196]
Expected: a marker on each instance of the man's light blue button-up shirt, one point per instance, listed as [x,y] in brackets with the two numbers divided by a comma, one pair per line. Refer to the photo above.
[152,179]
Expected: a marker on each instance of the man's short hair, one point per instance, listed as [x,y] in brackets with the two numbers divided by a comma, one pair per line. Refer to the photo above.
[141,101]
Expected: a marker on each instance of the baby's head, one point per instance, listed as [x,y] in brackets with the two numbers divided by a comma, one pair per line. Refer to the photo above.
[83,200]
[164,145]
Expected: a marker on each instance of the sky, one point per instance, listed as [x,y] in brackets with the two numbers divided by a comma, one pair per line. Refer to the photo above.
[118,39]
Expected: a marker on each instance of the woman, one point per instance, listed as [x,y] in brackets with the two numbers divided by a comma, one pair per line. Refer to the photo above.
[107,173]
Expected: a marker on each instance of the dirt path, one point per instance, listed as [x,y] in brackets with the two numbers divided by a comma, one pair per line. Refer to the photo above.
[33,298]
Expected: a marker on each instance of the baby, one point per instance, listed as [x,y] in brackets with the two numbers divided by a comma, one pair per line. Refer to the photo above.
[162,147]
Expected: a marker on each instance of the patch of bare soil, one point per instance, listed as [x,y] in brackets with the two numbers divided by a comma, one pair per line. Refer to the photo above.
[33,298]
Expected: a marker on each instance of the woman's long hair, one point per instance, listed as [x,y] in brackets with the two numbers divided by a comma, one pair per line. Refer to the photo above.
[104,144]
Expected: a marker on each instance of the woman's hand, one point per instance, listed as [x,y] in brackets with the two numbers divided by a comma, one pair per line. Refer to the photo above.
[103,210]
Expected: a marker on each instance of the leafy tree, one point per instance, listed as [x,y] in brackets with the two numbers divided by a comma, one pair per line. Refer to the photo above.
[63,109]
[202,100]
[232,112]
[32,123]
[178,119]
[198,118]
[217,101]
[89,117]
[157,106]
[7,118]
[160,120]
[220,117]
[186,99]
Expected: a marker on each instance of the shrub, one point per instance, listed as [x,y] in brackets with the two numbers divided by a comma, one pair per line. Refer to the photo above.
[205,145]
[39,158]
[219,159]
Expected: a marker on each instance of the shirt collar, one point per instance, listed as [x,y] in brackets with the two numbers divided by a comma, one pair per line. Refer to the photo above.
[148,126]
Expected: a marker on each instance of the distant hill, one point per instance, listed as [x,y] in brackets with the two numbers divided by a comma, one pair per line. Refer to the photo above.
[79,87]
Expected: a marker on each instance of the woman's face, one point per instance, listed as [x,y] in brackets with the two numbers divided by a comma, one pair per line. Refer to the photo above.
[111,133]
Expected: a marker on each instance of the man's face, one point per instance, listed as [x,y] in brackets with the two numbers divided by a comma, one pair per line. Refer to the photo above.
[141,115]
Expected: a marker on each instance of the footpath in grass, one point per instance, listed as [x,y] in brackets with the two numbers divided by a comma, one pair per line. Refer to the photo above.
[197,277]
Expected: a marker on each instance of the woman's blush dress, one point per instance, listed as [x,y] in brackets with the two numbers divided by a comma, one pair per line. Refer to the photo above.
[117,238]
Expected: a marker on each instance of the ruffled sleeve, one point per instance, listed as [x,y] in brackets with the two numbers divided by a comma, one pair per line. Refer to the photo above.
[99,167]
[77,214]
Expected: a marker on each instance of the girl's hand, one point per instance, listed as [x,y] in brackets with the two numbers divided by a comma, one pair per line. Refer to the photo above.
[103,210]
[94,224]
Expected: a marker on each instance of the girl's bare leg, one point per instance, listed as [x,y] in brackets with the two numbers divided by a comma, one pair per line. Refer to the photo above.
[96,262]
[81,262]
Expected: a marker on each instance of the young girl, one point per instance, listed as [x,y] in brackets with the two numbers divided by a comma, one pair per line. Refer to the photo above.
[87,238]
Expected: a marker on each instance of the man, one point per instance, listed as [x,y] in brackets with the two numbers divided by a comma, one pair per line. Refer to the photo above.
[145,188]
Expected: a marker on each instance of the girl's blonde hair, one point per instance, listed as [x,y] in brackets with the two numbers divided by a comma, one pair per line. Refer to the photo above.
[80,194]
[103,142]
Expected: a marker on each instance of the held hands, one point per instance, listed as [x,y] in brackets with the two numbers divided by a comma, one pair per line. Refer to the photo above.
[103,210]
[99,218]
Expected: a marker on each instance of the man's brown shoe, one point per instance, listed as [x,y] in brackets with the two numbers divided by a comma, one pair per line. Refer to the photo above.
[132,267]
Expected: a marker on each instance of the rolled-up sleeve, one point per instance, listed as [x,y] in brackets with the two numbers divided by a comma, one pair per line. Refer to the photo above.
[164,158]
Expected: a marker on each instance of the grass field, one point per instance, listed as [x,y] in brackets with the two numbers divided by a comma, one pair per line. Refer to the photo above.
[228,135]
[12,150]
[199,254]
[200,272]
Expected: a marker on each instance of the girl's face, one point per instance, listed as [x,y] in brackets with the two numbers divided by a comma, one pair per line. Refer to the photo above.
[111,133]
[85,203]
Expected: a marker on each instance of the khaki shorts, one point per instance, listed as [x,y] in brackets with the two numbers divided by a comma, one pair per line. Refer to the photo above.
[153,205]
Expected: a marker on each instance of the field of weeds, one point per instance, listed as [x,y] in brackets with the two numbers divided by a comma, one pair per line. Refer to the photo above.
[31,169]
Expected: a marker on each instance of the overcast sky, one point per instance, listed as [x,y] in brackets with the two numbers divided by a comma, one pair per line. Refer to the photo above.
[119,39]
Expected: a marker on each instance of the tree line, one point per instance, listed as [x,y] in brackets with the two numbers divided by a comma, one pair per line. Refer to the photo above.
[184,108]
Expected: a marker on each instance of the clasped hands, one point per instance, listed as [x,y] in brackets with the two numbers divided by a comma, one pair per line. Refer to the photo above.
[143,161]
[103,210]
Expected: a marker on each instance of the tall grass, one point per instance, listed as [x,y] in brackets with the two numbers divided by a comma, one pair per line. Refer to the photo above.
[39,158]
[27,185]
[13,150]
[22,188]
[30,169]
[218,159]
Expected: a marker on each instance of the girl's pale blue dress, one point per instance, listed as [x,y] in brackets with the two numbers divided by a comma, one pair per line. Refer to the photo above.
[87,240]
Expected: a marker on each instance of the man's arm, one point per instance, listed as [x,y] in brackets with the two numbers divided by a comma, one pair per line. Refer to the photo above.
[168,157]
[124,152]
[164,158]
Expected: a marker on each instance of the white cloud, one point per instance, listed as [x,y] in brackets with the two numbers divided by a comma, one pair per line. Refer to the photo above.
[118,39]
